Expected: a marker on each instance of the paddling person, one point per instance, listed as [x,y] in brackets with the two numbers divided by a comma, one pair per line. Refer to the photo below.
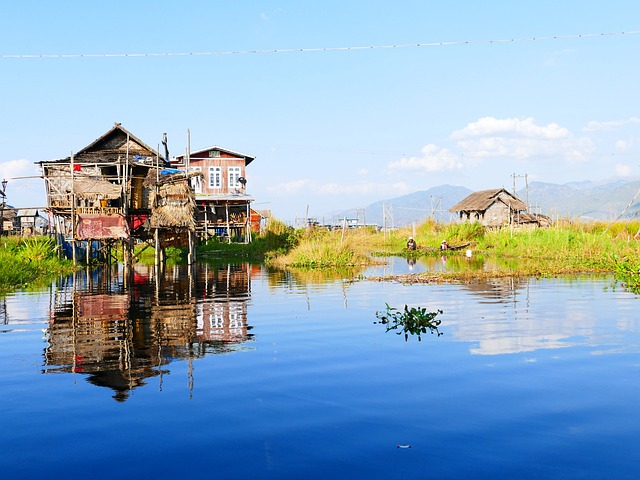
[411,244]
[444,245]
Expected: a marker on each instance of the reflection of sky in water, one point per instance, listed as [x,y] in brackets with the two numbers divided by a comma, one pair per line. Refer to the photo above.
[265,375]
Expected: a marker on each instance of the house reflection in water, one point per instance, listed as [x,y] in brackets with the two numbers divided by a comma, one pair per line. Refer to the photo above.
[122,330]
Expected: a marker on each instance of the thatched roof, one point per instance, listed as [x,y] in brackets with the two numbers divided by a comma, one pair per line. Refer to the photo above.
[482,200]
[173,206]
[532,218]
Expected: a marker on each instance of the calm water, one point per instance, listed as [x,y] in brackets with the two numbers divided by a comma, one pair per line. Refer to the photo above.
[233,372]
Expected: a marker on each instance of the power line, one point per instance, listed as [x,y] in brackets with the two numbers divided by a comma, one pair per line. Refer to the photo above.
[319,49]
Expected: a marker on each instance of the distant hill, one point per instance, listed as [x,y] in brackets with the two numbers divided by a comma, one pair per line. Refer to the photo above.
[406,209]
[418,206]
[577,200]
[584,200]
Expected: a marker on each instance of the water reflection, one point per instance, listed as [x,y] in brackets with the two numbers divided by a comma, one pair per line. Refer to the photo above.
[121,329]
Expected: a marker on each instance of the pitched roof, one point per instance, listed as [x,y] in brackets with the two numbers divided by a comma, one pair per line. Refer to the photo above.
[116,138]
[248,158]
[482,200]
[114,144]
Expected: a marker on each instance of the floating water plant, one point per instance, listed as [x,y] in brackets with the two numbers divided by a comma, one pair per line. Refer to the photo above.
[414,321]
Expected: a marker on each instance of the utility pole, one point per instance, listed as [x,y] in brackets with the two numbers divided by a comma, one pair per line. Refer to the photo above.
[436,205]
[387,214]
[3,202]
[526,187]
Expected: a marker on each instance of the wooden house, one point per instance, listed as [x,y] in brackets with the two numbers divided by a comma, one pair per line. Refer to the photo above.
[30,222]
[8,216]
[103,192]
[491,208]
[223,205]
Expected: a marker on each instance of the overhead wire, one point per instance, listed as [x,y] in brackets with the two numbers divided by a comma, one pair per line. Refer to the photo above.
[316,49]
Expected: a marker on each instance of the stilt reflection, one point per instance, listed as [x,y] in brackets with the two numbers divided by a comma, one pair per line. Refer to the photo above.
[121,328]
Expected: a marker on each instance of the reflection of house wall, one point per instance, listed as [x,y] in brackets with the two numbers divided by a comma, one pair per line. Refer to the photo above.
[120,338]
[222,322]
[222,312]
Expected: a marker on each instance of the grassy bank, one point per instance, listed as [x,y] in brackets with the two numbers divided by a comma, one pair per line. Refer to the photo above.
[564,248]
[29,261]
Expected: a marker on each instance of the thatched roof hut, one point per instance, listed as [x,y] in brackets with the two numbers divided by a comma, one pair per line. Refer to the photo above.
[491,208]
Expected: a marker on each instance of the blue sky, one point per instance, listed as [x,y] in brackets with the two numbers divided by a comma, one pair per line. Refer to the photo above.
[330,129]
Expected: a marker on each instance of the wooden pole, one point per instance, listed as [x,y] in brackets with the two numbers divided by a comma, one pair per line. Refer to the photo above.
[206,224]
[73,214]
[191,258]
[248,226]
[157,247]
[226,205]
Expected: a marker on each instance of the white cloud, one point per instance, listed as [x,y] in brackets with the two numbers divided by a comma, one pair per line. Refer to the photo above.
[362,172]
[520,139]
[623,145]
[433,159]
[623,170]
[513,127]
[596,126]
[17,168]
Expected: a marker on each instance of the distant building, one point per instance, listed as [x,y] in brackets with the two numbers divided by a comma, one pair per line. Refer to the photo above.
[30,221]
[8,217]
[491,208]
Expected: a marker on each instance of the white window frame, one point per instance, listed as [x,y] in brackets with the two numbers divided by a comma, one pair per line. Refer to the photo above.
[215,177]
[234,174]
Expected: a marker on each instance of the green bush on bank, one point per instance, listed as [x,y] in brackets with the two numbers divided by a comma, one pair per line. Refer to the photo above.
[29,260]
[321,248]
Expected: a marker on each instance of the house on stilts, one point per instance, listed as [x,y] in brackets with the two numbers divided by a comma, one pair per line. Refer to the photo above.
[115,192]
[219,184]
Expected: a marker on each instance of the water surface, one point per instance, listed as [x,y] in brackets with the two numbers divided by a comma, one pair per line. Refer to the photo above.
[230,371]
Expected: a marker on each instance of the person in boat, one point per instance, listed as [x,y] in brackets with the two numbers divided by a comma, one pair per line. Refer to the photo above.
[444,245]
[411,244]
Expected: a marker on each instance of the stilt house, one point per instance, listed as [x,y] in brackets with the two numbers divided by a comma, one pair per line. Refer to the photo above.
[100,193]
[223,205]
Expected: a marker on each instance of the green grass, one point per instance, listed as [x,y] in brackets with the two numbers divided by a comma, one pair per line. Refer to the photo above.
[319,248]
[29,261]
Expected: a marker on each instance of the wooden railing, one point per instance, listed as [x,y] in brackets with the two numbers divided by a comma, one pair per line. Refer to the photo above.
[98,211]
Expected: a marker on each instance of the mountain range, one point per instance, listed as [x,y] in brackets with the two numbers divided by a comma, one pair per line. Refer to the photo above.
[583,201]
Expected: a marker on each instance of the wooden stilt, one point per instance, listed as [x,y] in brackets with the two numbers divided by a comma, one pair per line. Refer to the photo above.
[158,254]
[191,259]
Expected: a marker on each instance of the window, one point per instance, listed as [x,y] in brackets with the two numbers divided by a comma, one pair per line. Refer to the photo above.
[215,177]
[234,175]
[196,182]
[214,153]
